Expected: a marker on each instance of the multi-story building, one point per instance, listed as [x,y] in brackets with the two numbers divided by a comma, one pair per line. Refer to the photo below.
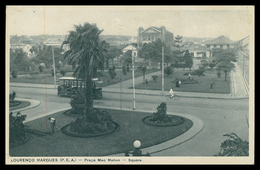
[152,34]
[220,42]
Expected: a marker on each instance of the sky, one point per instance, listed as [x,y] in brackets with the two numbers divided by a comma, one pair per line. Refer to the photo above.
[236,22]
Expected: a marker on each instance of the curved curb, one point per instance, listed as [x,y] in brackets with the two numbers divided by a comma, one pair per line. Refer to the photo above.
[193,131]
[34,103]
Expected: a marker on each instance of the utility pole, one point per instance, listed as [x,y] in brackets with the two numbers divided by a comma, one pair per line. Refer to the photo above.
[54,66]
[162,69]
[133,75]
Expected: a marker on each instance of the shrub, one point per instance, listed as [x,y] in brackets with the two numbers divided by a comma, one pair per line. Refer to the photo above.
[189,81]
[98,122]
[41,68]
[161,113]
[234,146]
[12,97]
[168,70]
[62,72]
[155,78]
[16,127]
[14,73]
[211,65]
[112,73]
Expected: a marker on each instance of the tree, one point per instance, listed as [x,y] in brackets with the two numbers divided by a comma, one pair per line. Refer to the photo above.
[204,63]
[127,59]
[178,54]
[86,52]
[188,59]
[143,70]
[113,52]
[178,41]
[153,52]
[19,60]
[224,61]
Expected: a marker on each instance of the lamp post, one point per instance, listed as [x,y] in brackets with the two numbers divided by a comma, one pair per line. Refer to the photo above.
[133,75]
[54,70]
[162,69]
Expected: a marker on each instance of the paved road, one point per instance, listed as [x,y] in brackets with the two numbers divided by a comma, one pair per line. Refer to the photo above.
[219,116]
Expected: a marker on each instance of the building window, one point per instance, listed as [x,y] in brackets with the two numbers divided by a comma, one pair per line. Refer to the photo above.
[228,46]
[215,46]
[221,46]
[208,46]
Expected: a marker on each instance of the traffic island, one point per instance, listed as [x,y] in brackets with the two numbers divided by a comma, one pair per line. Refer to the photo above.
[18,104]
[161,118]
[118,141]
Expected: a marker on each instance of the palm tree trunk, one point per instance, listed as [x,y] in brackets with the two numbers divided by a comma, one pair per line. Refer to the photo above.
[88,99]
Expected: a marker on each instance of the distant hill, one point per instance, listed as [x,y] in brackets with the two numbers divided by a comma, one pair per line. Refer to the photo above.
[195,39]
[113,40]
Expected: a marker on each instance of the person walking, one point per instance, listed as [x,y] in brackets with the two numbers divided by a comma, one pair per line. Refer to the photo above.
[53,124]
[189,76]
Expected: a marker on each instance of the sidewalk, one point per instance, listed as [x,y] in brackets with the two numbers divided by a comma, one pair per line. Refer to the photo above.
[239,90]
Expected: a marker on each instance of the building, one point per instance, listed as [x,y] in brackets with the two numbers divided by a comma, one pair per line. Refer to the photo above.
[130,47]
[152,34]
[25,47]
[57,42]
[243,45]
[220,42]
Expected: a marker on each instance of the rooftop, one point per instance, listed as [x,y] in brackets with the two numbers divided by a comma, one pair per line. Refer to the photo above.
[220,40]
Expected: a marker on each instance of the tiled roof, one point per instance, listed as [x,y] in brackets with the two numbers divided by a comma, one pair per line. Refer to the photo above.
[220,40]
[55,40]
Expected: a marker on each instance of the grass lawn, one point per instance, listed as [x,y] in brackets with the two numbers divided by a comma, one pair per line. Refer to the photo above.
[18,105]
[48,78]
[131,128]
[221,86]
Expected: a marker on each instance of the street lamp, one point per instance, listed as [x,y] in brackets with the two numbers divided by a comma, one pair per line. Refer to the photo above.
[54,70]
[133,75]
[162,69]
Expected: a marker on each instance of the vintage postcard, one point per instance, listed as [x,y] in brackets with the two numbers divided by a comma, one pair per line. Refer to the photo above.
[130,85]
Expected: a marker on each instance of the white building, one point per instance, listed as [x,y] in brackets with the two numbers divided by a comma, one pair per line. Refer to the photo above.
[131,47]
[220,42]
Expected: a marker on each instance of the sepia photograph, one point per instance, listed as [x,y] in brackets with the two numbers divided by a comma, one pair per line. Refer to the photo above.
[130,85]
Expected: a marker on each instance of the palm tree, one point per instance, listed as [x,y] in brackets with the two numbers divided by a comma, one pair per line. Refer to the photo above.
[86,52]
[224,61]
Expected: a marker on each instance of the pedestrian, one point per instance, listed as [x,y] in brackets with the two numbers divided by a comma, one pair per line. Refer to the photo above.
[189,76]
[177,84]
[53,124]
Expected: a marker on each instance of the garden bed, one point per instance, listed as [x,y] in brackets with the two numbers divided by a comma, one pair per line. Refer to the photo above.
[131,128]
[18,104]
[177,120]
[66,130]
